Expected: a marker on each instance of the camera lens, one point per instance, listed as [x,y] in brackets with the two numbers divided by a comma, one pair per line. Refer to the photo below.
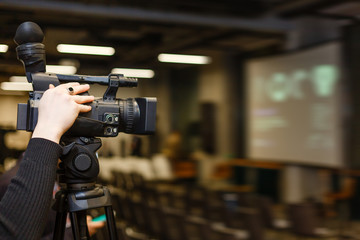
[128,115]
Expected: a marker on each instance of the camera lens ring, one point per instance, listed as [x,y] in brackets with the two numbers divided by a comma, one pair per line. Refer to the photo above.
[130,115]
[127,113]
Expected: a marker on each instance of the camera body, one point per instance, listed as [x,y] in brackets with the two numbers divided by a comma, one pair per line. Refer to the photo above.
[108,116]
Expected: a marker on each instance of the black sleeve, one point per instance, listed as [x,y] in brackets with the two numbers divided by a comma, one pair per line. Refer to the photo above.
[25,205]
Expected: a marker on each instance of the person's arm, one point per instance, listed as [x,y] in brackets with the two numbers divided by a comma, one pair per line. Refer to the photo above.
[25,205]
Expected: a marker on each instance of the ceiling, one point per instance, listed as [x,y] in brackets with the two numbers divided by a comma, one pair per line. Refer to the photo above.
[139,29]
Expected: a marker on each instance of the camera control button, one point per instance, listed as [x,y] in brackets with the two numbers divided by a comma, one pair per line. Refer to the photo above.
[82,162]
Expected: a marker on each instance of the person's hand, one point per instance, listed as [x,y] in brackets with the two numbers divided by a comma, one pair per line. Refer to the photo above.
[93,226]
[58,110]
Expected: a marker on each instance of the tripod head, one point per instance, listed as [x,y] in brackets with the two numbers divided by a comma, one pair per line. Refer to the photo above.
[79,164]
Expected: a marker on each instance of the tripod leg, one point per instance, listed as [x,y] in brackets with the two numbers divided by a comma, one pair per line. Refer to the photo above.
[60,222]
[74,226]
[111,224]
[84,233]
[79,225]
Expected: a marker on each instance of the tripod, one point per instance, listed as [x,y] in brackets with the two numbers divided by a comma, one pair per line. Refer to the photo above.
[77,173]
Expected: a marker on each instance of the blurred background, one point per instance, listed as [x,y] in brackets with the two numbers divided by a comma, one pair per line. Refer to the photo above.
[257,116]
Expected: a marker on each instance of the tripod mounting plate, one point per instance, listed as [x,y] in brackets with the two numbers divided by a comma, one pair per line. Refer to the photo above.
[83,200]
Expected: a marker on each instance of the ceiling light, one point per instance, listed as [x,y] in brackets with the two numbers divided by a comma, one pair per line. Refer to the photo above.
[132,72]
[18,79]
[84,49]
[3,48]
[181,58]
[61,69]
[16,86]
[57,69]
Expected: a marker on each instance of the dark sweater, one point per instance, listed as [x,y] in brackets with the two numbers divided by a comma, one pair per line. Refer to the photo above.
[26,203]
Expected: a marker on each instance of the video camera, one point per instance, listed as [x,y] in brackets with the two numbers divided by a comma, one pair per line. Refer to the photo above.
[108,116]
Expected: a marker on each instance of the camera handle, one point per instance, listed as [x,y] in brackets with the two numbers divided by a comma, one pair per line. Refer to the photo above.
[77,174]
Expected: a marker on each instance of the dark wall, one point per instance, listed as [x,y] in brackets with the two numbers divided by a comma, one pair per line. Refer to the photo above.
[237,98]
[352,94]
[352,106]
[184,108]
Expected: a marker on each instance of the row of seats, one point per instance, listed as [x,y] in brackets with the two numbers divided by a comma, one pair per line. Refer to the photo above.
[173,211]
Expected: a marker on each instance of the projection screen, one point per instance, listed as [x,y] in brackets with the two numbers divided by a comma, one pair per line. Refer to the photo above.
[294,107]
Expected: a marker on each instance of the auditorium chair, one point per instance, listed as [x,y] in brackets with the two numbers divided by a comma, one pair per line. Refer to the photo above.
[305,222]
